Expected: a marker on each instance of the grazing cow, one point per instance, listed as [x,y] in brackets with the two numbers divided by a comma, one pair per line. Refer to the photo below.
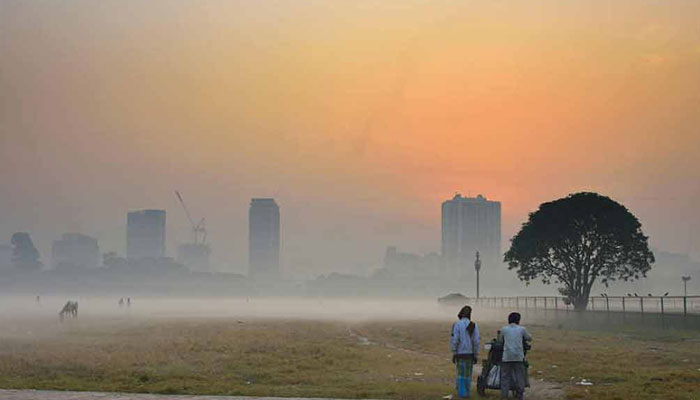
[70,310]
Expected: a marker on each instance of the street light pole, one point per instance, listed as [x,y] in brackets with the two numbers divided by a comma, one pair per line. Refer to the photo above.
[685,294]
[477,266]
[685,285]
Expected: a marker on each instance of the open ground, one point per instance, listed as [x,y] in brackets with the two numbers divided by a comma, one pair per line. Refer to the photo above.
[327,355]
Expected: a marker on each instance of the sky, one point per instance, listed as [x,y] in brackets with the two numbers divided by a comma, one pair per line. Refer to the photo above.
[359,117]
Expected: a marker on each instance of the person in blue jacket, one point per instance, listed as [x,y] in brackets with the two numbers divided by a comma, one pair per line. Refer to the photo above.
[464,344]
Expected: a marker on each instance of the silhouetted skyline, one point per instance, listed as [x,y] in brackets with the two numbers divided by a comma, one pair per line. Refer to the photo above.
[360,117]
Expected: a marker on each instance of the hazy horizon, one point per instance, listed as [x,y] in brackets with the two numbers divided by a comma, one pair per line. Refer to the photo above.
[360,118]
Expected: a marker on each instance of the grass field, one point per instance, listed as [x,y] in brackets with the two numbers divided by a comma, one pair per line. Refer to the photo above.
[378,359]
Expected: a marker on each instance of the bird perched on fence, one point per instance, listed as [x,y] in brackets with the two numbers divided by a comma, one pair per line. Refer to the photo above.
[629,295]
[649,294]
[635,294]
[665,294]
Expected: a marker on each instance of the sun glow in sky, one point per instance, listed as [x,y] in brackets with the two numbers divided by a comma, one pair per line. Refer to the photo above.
[360,117]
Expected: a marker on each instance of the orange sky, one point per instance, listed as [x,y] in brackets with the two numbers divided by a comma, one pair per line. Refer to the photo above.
[360,117]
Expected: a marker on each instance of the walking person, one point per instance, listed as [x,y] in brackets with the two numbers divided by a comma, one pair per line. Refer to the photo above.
[464,344]
[513,372]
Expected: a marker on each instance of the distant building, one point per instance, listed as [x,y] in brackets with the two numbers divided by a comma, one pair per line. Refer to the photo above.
[75,251]
[5,256]
[194,256]
[470,224]
[145,234]
[410,265]
[264,238]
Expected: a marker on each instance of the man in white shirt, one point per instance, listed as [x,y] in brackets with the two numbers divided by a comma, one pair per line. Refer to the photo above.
[513,337]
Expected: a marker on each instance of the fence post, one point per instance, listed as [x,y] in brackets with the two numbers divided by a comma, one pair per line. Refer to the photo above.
[623,305]
[662,306]
[556,303]
[641,304]
[592,303]
[535,300]
[607,304]
[685,306]
[545,302]
[526,302]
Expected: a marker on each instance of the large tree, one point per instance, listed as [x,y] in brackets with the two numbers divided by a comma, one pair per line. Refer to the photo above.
[578,240]
[24,255]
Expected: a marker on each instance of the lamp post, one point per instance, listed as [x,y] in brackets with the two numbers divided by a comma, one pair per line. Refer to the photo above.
[685,285]
[477,267]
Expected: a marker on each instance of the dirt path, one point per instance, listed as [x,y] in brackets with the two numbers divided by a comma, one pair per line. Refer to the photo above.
[539,389]
[60,395]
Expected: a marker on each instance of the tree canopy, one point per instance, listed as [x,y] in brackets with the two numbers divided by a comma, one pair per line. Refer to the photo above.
[578,240]
[24,255]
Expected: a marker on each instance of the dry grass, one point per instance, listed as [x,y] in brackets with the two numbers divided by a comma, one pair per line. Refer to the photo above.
[407,360]
[622,365]
[280,358]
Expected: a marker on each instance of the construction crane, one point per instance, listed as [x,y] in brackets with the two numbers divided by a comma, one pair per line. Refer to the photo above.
[199,229]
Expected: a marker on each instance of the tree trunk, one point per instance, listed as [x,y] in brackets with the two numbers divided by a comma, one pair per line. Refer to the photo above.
[580,302]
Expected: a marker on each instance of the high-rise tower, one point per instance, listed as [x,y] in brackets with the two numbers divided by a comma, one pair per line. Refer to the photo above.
[470,224]
[145,234]
[264,238]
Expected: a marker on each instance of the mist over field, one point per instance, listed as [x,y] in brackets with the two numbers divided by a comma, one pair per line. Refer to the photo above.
[393,348]
[347,309]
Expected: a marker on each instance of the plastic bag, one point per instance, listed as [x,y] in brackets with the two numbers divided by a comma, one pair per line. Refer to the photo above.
[494,378]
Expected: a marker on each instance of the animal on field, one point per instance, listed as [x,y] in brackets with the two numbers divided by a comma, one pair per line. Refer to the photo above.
[69,310]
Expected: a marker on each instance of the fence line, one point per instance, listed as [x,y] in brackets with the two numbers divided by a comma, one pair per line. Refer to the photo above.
[677,305]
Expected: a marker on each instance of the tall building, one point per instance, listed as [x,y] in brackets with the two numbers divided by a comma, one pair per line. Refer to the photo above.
[470,224]
[75,251]
[145,234]
[264,238]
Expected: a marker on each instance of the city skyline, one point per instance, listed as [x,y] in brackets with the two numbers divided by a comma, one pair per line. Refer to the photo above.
[525,103]
[201,263]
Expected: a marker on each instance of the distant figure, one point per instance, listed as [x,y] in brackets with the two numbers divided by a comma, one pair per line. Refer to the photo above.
[128,301]
[70,310]
[121,302]
[38,299]
[514,338]
[464,344]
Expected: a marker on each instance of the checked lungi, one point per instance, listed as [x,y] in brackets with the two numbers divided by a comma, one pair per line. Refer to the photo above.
[464,367]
